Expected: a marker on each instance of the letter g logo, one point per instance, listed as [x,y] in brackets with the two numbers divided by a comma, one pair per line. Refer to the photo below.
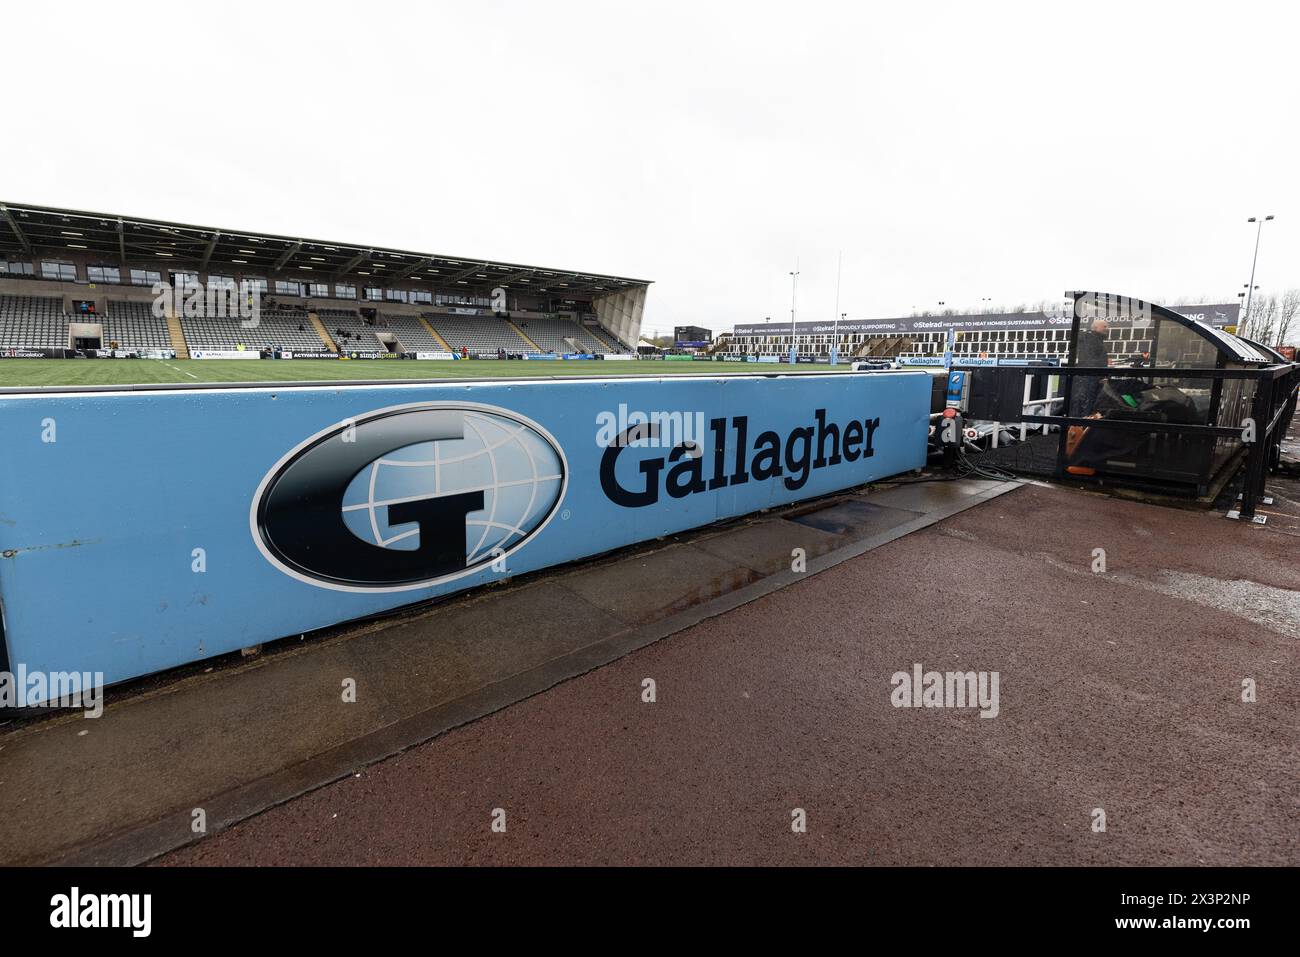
[408,497]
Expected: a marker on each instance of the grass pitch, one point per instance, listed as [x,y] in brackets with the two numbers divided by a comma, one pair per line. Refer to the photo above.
[82,372]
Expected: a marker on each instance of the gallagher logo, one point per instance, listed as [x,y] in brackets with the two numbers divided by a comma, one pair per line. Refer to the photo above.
[408,497]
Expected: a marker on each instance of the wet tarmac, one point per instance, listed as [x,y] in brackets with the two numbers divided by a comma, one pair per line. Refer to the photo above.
[1120,701]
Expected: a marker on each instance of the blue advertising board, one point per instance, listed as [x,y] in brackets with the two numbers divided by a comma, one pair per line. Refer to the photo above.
[140,530]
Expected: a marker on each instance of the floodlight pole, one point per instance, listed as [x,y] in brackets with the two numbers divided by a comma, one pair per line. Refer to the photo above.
[1243,326]
[794,295]
[835,336]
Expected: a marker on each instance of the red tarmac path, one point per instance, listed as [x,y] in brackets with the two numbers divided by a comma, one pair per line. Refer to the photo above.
[1119,691]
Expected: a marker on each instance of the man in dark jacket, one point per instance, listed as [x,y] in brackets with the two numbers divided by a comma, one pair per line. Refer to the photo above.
[1091,354]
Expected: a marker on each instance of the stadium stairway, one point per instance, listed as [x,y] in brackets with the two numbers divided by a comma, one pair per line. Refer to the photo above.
[320,331]
[891,346]
[177,336]
[591,331]
[434,332]
[531,344]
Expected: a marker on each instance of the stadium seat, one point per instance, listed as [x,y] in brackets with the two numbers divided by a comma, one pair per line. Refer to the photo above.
[412,334]
[361,335]
[281,327]
[33,322]
[132,325]
[478,334]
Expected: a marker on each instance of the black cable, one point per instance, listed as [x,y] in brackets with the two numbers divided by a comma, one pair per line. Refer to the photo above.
[966,467]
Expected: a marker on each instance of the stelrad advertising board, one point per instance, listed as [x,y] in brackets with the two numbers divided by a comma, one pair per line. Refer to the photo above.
[262,512]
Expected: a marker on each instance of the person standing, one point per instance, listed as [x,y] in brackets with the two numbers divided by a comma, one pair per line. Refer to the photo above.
[1091,353]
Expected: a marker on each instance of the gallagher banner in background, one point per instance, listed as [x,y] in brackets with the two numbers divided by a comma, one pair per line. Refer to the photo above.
[262,512]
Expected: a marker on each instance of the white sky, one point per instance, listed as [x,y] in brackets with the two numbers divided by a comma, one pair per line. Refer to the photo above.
[951,151]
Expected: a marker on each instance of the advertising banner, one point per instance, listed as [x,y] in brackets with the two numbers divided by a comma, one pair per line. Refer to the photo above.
[262,512]
[434,355]
[1219,314]
[225,354]
[1036,361]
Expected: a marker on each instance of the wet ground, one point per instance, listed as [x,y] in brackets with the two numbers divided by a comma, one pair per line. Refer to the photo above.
[1154,695]
[227,738]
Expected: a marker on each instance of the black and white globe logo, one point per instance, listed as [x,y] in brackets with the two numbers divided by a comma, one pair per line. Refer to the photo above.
[408,497]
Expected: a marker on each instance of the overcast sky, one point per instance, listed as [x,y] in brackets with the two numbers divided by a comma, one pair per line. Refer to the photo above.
[951,151]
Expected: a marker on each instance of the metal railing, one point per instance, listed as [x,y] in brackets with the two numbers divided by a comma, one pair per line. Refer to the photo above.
[1271,408]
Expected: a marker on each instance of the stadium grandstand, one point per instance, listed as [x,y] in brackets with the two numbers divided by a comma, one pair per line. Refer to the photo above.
[74,280]
[1031,336]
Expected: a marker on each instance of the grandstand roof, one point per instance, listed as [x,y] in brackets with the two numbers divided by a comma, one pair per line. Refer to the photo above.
[41,230]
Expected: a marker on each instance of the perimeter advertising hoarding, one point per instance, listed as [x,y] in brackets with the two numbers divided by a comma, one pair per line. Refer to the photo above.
[307,354]
[12,352]
[1219,315]
[127,548]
